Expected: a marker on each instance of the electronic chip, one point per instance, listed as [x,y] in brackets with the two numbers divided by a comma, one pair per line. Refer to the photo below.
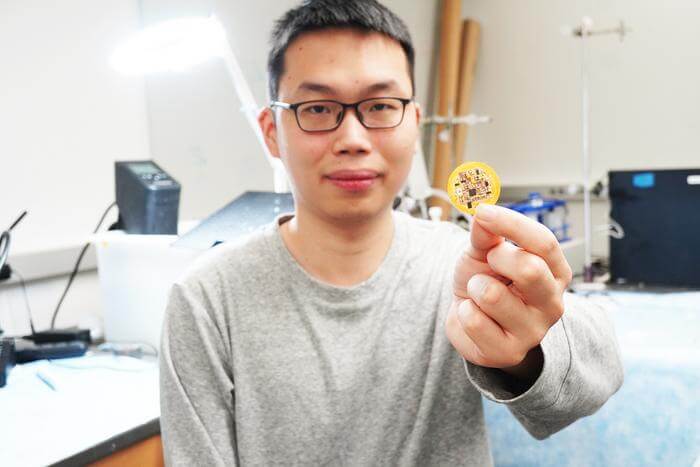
[473,183]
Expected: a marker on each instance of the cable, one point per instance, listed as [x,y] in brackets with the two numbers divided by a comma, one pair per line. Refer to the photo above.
[147,367]
[4,247]
[613,229]
[129,349]
[142,351]
[5,240]
[77,265]
[26,299]
[17,221]
[5,252]
[616,230]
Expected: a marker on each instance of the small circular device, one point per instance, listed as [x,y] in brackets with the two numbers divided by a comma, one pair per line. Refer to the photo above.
[471,184]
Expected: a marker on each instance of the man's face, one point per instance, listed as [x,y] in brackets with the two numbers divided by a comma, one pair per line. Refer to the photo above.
[347,66]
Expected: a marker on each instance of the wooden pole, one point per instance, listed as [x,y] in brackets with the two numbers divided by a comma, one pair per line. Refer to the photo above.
[450,32]
[470,48]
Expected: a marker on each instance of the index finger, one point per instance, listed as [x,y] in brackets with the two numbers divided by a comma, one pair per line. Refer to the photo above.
[526,233]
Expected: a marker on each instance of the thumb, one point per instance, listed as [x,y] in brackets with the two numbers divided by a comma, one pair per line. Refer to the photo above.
[482,240]
[473,261]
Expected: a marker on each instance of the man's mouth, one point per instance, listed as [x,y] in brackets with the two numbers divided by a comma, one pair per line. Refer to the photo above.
[353,180]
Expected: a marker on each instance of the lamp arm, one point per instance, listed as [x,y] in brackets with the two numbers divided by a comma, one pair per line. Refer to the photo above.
[250,111]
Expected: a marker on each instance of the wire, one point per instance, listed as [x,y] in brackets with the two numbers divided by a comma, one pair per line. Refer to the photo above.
[5,239]
[17,221]
[5,252]
[613,229]
[147,367]
[616,230]
[77,265]
[26,298]
[129,349]
[120,350]
[4,247]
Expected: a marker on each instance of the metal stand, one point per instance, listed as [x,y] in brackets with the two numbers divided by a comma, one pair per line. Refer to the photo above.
[584,31]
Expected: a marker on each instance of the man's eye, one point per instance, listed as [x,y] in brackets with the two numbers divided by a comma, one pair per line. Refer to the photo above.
[317,109]
[380,106]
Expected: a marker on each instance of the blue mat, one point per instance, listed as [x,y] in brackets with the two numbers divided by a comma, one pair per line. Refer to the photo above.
[654,420]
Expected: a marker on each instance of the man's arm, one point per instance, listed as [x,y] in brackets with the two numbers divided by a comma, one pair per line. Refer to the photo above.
[196,385]
[581,370]
[526,342]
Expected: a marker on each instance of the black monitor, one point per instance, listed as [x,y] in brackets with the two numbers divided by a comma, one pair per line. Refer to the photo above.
[659,211]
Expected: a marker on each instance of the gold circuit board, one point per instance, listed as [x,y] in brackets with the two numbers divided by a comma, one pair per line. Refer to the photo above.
[473,183]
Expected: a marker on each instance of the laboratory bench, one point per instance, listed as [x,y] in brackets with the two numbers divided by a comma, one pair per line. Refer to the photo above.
[92,410]
[104,409]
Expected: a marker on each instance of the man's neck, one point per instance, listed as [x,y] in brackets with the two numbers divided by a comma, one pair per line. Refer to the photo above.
[339,254]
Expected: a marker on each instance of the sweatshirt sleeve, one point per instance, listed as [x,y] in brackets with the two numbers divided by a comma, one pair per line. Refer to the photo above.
[196,385]
[582,369]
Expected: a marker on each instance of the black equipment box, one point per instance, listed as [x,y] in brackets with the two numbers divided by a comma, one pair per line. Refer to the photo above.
[147,197]
[27,351]
[659,211]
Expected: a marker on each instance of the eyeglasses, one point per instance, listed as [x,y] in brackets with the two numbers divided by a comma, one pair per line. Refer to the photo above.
[327,115]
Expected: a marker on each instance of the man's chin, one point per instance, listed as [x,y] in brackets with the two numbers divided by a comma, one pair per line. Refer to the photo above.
[340,208]
[357,211]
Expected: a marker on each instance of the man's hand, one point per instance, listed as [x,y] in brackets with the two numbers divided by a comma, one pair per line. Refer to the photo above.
[506,297]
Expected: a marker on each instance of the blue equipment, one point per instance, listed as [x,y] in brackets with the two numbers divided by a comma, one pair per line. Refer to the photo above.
[553,213]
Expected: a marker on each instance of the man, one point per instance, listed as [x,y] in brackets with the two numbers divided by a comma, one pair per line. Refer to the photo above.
[349,334]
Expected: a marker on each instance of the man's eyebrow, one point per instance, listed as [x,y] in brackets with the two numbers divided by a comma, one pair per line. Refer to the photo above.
[325,89]
[383,86]
[316,87]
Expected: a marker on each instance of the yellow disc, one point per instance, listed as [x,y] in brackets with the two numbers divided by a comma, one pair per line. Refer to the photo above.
[473,183]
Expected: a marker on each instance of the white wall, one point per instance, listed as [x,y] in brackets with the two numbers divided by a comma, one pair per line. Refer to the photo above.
[65,116]
[644,91]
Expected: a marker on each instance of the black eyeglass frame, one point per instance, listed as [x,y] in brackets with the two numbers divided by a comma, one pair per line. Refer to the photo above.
[355,105]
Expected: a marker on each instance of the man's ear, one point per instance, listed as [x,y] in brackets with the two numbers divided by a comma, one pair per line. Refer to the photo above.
[419,113]
[266,120]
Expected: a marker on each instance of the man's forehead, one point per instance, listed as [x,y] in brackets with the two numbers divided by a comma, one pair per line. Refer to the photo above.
[335,61]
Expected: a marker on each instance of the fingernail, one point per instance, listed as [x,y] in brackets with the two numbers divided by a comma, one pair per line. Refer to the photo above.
[486,212]
[476,285]
[463,311]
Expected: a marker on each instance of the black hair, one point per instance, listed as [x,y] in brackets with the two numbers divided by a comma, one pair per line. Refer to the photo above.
[315,15]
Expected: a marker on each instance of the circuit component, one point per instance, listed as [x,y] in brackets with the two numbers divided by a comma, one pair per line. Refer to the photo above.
[473,183]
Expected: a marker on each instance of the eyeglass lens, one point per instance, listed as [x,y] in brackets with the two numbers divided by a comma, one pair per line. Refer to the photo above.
[327,115]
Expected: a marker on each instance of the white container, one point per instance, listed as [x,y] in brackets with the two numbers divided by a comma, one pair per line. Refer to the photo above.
[136,273]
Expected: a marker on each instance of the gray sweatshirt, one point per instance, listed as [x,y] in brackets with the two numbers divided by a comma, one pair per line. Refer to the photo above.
[262,364]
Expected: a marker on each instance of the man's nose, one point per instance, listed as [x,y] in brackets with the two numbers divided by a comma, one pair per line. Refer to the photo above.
[352,137]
